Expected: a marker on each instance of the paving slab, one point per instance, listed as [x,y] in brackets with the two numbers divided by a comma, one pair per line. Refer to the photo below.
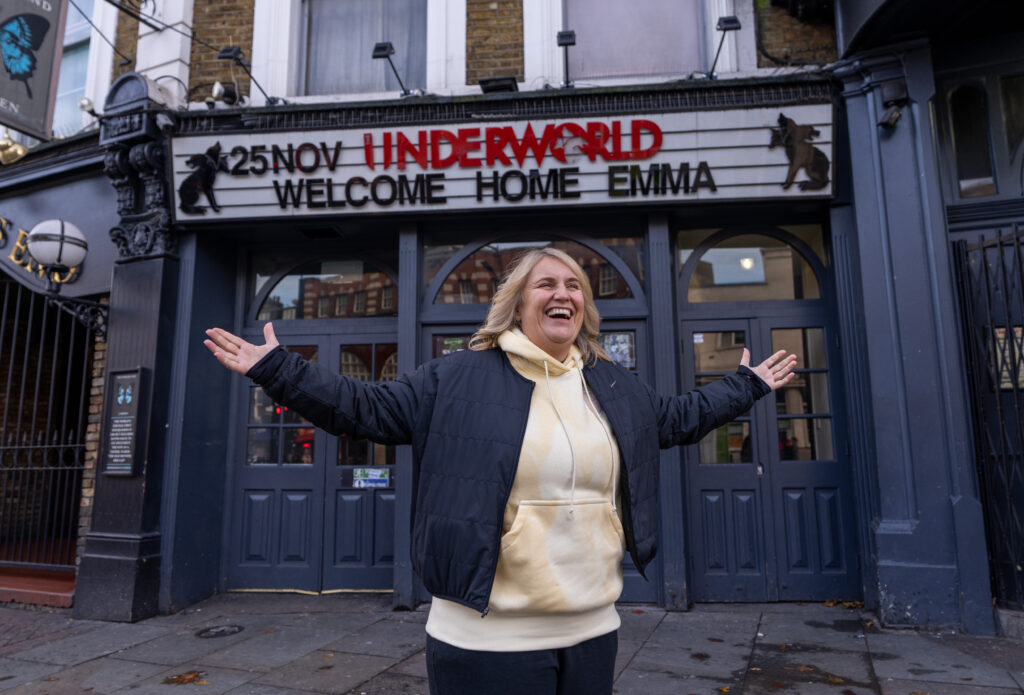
[271,648]
[343,623]
[908,687]
[638,622]
[14,672]
[844,630]
[415,665]
[684,644]
[390,683]
[911,656]
[110,638]
[268,603]
[186,645]
[96,676]
[803,668]
[322,674]
[393,638]
[253,689]
[210,681]
[635,682]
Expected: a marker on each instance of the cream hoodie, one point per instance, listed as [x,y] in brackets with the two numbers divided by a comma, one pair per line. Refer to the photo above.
[560,566]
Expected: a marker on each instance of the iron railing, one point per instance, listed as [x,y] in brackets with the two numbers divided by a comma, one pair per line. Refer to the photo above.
[45,357]
[991,279]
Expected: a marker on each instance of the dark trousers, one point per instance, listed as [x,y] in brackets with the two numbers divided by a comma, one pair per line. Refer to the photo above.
[586,668]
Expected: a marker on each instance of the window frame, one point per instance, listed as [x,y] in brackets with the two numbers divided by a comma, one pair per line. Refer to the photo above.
[277,45]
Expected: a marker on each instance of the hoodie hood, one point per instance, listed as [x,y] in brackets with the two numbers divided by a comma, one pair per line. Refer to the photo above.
[529,359]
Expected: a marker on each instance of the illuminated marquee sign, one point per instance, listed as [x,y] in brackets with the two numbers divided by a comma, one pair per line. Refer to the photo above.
[656,158]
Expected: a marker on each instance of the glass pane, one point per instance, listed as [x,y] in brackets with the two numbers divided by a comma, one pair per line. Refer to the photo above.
[383,455]
[718,351]
[331,289]
[307,352]
[669,28]
[811,234]
[971,142]
[298,445]
[750,267]
[291,417]
[730,443]
[806,439]
[356,361]
[621,347]
[352,452]
[262,410]
[339,43]
[1012,88]
[261,446]
[806,394]
[808,344]
[386,361]
[67,117]
[475,279]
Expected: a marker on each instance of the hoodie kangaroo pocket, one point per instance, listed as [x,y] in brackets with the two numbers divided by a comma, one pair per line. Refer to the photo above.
[559,559]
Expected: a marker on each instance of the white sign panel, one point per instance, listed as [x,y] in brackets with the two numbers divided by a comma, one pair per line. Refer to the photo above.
[655,158]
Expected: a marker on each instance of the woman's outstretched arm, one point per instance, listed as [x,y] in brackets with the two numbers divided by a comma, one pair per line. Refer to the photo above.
[237,354]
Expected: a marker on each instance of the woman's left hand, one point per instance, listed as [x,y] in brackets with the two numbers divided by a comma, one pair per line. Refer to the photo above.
[776,371]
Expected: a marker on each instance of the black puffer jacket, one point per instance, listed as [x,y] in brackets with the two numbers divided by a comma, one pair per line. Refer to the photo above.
[465,416]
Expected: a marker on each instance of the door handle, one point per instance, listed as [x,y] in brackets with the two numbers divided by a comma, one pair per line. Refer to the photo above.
[760,469]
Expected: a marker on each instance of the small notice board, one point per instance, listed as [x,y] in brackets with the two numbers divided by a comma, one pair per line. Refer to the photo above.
[123,435]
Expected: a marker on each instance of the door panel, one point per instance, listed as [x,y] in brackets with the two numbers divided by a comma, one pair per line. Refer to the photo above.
[771,514]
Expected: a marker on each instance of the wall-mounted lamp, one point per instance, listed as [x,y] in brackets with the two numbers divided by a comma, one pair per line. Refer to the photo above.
[725,25]
[11,151]
[384,49]
[505,83]
[234,53]
[227,93]
[894,98]
[85,105]
[566,39]
[59,246]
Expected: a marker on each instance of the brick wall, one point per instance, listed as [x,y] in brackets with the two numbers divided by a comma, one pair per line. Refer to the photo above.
[126,40]
[219,23]
[92,441]
[788,39]
[494,39]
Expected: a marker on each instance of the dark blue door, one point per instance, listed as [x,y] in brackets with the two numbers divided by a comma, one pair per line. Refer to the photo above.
[770,508]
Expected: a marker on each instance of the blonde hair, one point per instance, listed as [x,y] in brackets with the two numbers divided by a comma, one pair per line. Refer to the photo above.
[502,314]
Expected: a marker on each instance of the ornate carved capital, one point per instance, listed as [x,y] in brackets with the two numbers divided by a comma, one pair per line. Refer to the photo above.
[137,174]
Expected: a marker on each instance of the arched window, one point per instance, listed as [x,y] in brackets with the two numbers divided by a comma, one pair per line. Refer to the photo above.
[475,279]
[971,142]
[331,289]
[749,267]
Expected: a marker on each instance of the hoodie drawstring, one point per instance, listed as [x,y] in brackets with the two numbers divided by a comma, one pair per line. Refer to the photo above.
[572,452]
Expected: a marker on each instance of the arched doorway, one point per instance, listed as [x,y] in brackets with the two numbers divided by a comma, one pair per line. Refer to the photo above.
[310,511]
[770,506]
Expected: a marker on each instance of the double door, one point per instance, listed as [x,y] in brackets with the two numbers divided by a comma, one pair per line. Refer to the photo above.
[770,495]
[313,512]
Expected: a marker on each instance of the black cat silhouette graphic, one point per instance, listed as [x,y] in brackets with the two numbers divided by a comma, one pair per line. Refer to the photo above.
[796,140]
[200,181]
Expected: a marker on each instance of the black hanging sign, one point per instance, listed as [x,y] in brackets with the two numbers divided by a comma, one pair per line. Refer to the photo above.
[31,45]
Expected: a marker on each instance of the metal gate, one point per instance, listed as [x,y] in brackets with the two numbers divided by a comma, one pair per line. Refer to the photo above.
[991,279]
[44,385]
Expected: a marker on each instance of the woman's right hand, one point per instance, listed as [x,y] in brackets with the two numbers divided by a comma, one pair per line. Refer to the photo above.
[236,354]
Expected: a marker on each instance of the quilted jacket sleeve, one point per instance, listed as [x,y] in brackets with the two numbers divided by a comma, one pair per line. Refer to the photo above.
[384,412]
[685,419]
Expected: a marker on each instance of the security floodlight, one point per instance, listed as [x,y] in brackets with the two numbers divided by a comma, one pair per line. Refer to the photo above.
[234,53]
[384,49]
[506,83]
[565,39]
[725,24]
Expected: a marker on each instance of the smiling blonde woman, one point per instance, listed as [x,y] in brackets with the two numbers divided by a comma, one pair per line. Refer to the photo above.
[537,462]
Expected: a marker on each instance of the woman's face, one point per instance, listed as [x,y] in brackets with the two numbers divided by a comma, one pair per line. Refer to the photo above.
[551,307]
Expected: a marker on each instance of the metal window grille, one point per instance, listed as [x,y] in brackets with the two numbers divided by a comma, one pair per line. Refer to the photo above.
[991,283]
[44,386]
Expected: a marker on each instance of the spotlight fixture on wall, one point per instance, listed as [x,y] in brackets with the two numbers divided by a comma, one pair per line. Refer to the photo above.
[894,98]
[234,53]
[384,49]
[86,106]
[58,246]
[227,93]
[565,39]
[505,83]
[725,25]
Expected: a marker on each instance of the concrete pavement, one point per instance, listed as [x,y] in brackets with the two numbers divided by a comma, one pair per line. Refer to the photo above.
[283,644]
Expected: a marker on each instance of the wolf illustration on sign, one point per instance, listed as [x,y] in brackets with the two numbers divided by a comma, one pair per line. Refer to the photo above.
[201,180]
[796,139]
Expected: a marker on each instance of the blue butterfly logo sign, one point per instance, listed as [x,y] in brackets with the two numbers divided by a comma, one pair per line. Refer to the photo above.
[20,37]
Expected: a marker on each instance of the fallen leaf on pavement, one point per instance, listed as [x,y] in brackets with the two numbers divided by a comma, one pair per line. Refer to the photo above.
[805,669]
[783,648]
[269,632]
[637,611]
[853,604]
[184,678]
[714,639]
[834,680]
[700,656]
[725,689]
[831,602]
